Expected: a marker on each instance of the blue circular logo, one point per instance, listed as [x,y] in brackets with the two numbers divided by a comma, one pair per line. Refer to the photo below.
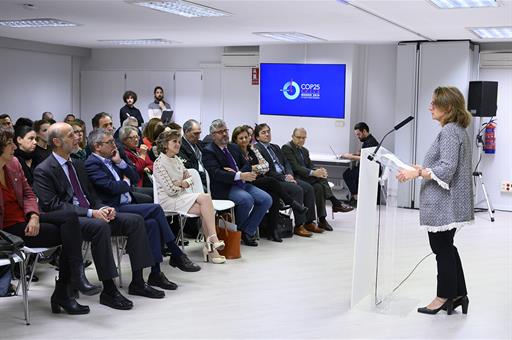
[291,90]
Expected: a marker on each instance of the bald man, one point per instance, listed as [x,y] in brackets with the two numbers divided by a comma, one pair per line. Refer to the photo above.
[303,168]
[61,183]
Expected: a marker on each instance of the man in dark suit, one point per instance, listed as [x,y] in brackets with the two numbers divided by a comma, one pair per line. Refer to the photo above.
[299,190]
[230,179]
[111,177]
[351,176]
[61,183]
[298,157]
[191,150]
[103,120]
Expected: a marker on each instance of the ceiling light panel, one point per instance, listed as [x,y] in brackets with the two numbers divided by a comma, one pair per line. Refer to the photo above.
[138,42]
[492,32]
[450,4]
[183,8]
[289,36]
[31,23]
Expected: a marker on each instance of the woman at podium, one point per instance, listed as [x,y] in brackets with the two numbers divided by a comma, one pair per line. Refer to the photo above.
[446,195]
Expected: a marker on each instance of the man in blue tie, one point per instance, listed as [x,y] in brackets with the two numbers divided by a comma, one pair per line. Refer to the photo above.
[230,179]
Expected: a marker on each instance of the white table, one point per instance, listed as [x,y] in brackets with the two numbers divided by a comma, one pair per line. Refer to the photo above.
[329,159]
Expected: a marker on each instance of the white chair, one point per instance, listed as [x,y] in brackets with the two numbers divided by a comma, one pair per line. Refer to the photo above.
[37,252]
[182,217]
[119,245]
[218,205]
[23,279]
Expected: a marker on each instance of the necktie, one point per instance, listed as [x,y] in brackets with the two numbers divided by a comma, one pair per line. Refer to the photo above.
[279,167]
[232,165]
[302,157]
[82,201]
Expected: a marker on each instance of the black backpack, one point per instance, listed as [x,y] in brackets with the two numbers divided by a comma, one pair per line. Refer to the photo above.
[10,246]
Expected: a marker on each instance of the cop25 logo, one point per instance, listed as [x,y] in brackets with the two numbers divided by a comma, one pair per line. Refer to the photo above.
[291,90]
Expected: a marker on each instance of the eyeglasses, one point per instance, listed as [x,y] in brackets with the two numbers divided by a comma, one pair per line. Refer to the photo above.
[300,137]
[265,132]
[196,133]
[111,142]
[221,132]
[133,137]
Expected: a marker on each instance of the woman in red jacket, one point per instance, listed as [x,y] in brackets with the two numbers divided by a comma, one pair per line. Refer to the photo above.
[19,215]
[138,155]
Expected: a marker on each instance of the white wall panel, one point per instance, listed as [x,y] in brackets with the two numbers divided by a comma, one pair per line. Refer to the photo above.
[187,104]
[101,91]
[32,82]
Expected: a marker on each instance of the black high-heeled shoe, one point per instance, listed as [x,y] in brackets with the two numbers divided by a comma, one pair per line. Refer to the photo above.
[448,306]
[60,299]
[462,301]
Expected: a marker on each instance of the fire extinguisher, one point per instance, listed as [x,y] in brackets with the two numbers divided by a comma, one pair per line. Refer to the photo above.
[490,138]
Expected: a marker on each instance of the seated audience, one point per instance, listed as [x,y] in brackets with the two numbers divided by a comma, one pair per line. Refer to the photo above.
[19,215]
[42,150]
[130,121]
[138,155]
[104,121]
[280,169]
[268,184]
[172,180]
[69,118]
[110,176]
[191,149]
[78,126]
[351,176]
[230,176]
[5,121]
[303,168]
[62,185]
[25,140]
[129,110]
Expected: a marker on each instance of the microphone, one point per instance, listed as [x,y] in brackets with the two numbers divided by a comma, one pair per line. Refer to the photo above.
[397,127]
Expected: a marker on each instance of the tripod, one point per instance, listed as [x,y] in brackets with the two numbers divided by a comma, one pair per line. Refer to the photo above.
[478,174]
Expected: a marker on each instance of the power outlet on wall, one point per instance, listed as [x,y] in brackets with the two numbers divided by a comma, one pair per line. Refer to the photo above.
[506,186]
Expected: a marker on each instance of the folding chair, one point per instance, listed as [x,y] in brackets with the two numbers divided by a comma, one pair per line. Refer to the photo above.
[23,279]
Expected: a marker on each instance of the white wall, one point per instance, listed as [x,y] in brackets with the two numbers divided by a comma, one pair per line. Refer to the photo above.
[498,167]
[33,82]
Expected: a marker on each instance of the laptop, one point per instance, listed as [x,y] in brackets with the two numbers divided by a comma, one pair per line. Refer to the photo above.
[166,116]
[334,152]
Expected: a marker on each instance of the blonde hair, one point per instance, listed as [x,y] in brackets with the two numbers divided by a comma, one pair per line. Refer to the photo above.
[451,100]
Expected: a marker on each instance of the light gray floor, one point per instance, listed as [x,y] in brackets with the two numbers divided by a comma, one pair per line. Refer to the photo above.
[297,289]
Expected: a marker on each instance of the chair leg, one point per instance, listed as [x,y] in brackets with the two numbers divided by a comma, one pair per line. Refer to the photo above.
[183,220]
[119,256]
[24,289]
[38,255]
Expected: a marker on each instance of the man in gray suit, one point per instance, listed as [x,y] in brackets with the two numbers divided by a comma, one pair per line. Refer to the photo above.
[298,157]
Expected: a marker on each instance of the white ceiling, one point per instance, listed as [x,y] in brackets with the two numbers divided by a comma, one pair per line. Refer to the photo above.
[333,21]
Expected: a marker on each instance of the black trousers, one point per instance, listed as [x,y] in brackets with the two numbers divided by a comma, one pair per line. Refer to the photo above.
[56,227]
[303,193]
[450,276]
[98,233]
[351,178]
[322,192]
[271,186]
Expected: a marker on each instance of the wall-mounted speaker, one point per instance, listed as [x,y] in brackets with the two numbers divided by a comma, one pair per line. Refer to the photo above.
[483,98]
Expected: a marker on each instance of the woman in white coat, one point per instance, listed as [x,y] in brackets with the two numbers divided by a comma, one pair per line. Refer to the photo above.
[172,179]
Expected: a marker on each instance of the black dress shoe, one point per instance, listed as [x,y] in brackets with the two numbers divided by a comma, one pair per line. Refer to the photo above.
[324,225]
[79,281]
[184,263]
[342,207]
[115,300]
[146,291]
[159,280]
[249,240]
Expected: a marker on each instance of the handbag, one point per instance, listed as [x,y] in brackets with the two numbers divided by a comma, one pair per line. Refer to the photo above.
[284,226]
[231,238]
[10,244]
